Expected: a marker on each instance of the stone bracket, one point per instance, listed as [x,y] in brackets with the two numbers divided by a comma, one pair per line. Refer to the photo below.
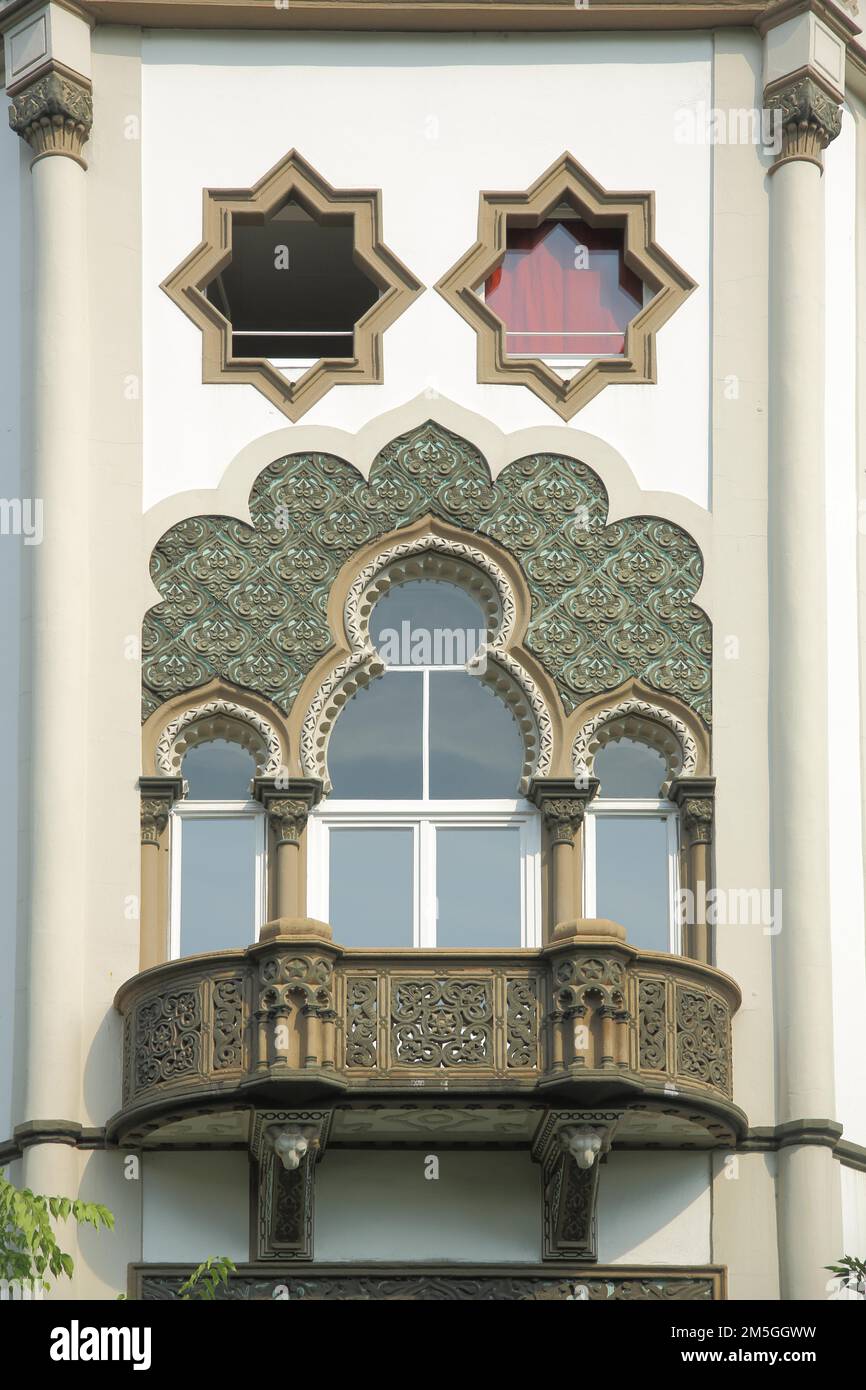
[284,1196]
[569,1192]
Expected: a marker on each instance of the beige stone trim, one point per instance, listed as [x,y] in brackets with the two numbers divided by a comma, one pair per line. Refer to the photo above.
[644,719]
[292,177]
[53,112]
[635,213]
[215,710]
[432,15]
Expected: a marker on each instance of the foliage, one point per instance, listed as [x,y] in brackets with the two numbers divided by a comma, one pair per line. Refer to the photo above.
[29,1248]
[851,1272]
[204,1281]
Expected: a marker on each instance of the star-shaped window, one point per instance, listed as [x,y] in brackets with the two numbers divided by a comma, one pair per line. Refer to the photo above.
[292,286]
[566,287]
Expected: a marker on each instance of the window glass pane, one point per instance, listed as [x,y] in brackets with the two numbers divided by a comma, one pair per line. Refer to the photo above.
[478,886]
[564,287]
[375,752]
[628,768]
[218,771]
[371,886]
[217,883]
[425,623]
[632,877]
[475,747]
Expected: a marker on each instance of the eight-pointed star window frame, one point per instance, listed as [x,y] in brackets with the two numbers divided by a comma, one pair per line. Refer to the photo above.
[567,182]
[292,179]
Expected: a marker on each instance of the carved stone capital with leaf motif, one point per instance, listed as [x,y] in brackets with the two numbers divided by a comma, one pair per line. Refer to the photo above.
[158,795]
[810,118]
[154,818]
[288,819]
[54,114]
[563,805]
[698,820]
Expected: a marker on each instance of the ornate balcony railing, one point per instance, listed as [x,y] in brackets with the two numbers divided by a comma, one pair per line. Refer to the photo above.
[586,1020]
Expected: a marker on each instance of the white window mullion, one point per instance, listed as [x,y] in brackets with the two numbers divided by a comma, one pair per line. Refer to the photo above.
[425,735]
[674,884]
[426,884]
[175,852]
[589,871]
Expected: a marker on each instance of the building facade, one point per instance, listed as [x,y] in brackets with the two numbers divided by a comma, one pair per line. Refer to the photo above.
[433,551]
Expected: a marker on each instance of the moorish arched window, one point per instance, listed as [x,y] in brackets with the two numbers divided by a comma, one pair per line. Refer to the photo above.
[425,839]
[631,845]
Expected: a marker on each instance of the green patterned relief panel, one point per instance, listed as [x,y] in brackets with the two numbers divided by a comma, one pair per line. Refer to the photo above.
[249,603]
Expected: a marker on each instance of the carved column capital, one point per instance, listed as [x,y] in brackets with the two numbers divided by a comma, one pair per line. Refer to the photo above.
[54,114]
[158,795]
[288,802]
[563,805]
[698,821]
[810,118]
[695,797]
[288,819]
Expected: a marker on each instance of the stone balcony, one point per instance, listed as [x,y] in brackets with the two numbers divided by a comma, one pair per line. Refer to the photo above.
[296,1020]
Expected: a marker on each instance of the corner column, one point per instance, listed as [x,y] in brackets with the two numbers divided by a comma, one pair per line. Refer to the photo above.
[695,798]
[158,795]
[801,56]
[48,77]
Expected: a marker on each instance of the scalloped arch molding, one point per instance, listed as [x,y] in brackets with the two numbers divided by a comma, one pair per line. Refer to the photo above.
[249,602]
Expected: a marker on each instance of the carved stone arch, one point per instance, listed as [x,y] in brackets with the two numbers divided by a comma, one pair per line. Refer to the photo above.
[645,721]
[438,557]
[219,718]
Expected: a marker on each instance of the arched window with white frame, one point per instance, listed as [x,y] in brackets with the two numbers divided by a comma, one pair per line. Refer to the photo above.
[631,846]
[218,847]
[425,840]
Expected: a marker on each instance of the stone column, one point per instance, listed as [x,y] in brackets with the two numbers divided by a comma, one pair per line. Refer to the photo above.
[48,77]
[563,806]
[809,1209]
[694,796]
[288,805]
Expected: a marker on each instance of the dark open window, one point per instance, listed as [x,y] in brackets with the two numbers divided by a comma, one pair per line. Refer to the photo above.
[292,290]
[564,289]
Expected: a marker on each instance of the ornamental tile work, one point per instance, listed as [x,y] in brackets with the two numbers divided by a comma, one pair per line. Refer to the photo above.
[249,603]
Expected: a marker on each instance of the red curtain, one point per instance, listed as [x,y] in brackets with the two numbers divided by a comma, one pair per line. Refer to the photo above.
[563,288]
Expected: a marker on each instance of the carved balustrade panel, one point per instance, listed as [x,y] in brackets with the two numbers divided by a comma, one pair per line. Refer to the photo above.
[442,1285]
[348,1020]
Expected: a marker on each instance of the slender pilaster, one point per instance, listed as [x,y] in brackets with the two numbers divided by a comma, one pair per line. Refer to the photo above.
[158,795]
[563,806]
[694,796]
[809,1202]
[51,110]
[288,807]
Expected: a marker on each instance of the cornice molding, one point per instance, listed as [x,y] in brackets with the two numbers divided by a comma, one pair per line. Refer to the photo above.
[53,112]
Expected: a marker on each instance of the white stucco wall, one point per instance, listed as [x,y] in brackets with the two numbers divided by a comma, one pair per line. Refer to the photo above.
[655,1208]
[194,1205]
[13,557]
[843,520]
[431,120]
[484,1207]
